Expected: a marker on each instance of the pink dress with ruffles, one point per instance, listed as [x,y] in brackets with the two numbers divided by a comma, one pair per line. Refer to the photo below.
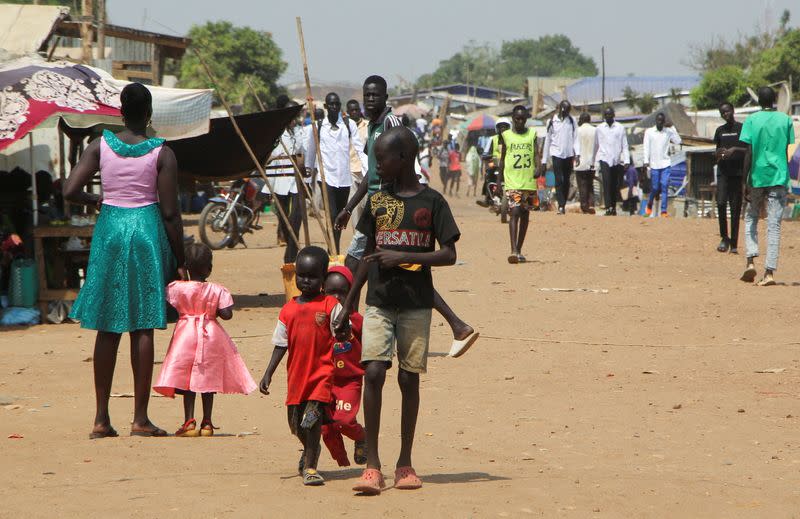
[201,356]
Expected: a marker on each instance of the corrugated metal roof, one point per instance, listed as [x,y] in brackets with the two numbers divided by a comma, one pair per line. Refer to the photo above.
[590,89]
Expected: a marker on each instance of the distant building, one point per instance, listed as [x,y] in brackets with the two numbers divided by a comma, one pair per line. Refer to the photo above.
[587,93]
[464,98]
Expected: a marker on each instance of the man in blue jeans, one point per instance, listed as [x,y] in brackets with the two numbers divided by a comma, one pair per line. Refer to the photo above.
[656,157]
[768,134]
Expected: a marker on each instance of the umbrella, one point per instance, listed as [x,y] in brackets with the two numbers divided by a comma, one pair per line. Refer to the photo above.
[32,91]
[482,122]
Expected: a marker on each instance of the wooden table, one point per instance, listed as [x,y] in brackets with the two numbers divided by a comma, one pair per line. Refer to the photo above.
[47,294]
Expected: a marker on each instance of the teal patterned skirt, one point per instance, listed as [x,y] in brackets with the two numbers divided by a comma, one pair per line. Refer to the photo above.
[130,264]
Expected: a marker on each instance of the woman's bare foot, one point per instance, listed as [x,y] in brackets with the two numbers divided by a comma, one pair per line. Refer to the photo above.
[103,431]
[147,429]
[462,330]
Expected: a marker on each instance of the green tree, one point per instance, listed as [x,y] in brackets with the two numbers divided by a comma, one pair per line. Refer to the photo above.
[728,83]
[234,54]
[509,68]
[475,61]
[647,103]
[631,97]
[781,61]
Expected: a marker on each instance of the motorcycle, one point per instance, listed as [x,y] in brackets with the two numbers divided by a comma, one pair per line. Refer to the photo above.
[232,213]
[494,195]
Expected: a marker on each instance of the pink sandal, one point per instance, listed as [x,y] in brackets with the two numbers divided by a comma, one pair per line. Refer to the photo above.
[371,482]
[405,478]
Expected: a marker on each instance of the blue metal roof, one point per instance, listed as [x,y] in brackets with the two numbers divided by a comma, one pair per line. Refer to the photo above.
[590,89]
[481,92]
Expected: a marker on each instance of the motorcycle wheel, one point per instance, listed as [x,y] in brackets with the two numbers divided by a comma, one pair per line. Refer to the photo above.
[504,210]
[215,233]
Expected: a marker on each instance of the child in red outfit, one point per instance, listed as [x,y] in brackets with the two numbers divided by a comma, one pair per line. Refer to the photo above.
[304,331]
[348,376]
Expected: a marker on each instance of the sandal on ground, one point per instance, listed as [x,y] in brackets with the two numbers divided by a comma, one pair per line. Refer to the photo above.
[749,274]
[405,478]
[360,452]
[521,258]
[152,432]
[459,348]
[207,428]
[766,282]
[312,478]
[371,483]
[513,259]
[188,430]
[106,433]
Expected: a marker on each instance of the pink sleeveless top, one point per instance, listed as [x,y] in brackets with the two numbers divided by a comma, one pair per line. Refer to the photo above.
[128,181]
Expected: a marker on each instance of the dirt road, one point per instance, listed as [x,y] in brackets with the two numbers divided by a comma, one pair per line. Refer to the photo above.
[638,398]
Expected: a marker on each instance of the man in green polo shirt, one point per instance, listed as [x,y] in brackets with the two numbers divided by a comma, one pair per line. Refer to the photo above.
[768,134]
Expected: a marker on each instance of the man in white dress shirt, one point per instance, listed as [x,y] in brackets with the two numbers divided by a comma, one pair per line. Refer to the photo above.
[611,151]
[561,143]
[336,136]
[656,157]
[584,169]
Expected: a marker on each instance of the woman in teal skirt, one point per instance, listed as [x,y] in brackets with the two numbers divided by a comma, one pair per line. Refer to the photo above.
[136,246]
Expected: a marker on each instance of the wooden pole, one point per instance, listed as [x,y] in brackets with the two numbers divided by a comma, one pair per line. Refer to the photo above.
[87,16]
[258,165]
[297,174]
[101,29]
[34,191]
[320,167]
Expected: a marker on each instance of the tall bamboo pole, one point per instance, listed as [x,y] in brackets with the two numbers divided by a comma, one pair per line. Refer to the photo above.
[320,167]
[258,165]
[297,174]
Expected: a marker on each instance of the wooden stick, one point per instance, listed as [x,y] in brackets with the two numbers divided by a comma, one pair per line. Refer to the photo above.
[310,99]
[259,167]
[297,174]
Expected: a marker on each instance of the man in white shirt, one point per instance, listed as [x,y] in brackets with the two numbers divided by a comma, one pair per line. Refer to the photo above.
[356,168]
[611,151]
[584,169]
[561,143]
[284,185]
[336,136]
[656,157]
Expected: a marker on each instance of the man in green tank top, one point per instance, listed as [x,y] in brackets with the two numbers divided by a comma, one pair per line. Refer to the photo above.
[518,172]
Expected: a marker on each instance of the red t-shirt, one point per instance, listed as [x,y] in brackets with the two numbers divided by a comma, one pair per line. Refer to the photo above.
[347,355]
[455,161]
[309,369]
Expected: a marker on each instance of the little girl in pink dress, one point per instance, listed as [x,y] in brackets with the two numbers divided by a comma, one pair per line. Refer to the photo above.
[201,357]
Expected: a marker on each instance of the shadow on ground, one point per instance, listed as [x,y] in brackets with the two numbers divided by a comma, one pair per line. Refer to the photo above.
[258,301]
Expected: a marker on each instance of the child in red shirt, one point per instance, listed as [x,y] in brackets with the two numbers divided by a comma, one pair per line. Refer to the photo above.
[455,170]
[304,330]
[348,376]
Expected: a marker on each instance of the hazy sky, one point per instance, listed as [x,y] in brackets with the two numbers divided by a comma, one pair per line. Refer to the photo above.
[350,39]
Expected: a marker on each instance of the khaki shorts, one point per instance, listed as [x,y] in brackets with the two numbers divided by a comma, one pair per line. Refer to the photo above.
[407,330]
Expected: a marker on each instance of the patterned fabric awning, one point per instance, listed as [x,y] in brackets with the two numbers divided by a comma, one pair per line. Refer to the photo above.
[32,91]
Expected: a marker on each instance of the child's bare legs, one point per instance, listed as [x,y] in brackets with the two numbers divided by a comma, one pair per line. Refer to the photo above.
[461,330]
[105,360]
[189,398]
[142,364]
[409,387]
[374,377]
[188,405]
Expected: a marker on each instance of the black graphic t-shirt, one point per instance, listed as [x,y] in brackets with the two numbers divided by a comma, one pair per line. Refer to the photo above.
[412,224]
[727,136]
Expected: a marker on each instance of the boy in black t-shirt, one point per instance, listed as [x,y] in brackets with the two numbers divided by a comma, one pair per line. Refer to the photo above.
[402,224]
[730,168]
